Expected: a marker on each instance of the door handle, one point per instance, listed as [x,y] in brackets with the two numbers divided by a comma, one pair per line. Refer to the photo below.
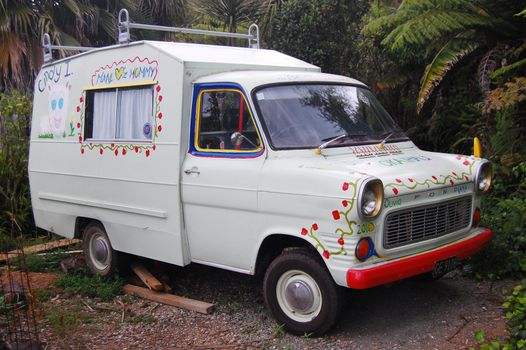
[192,170]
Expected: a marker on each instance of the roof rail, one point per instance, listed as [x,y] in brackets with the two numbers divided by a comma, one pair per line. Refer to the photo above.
[124,26]
[47,48]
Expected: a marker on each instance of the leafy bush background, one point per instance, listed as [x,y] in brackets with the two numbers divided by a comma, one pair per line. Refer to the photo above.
[15,204]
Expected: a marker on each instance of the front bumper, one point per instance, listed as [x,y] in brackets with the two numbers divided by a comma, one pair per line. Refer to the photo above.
[415,264]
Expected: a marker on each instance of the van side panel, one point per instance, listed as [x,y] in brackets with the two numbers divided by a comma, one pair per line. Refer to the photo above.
[132,187]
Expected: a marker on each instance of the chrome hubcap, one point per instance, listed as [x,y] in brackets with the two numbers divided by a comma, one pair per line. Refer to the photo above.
[299,295]
[100,251]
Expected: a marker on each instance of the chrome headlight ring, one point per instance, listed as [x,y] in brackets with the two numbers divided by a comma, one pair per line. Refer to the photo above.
[370,198]
[483,177]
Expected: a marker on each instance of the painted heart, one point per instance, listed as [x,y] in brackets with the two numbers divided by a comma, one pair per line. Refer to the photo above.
[118,72]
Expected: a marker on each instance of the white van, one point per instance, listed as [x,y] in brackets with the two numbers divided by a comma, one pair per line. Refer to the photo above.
[247,160]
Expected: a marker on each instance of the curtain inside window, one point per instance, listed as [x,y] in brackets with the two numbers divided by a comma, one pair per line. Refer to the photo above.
[104,117]
[134,117]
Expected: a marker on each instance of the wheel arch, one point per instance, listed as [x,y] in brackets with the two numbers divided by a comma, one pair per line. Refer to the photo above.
[82,222]
[274,244]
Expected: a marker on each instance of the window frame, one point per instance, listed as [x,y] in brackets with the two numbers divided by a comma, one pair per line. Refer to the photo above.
[195,149]
[116,88]
[310,82]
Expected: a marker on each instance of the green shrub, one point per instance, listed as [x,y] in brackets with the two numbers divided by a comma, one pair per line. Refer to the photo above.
[6,242]
[44,295]
[15,203]
[504,211]
[91,286]
[515,305]
[516,316]
[43,263]
[65,321]
[146,319]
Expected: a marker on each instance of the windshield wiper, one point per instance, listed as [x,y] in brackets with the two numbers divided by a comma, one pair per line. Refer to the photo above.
[388,136]
[330,140]
[381,144]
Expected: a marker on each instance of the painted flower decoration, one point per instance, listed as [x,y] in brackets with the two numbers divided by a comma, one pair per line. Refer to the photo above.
[345,213]
[451,179]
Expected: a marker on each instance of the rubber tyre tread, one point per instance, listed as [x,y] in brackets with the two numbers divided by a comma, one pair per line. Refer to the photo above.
[332,296]
[112,269]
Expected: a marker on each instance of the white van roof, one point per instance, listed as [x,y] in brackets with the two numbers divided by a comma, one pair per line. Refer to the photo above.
[198,54]
[252,79]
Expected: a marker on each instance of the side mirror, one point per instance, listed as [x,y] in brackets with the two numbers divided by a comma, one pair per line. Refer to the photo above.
[236,138]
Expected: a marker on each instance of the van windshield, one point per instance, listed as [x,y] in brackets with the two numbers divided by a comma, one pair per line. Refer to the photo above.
[308,115]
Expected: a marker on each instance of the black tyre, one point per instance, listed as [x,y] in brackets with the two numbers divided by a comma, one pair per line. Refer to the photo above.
[301,294]
[98,252]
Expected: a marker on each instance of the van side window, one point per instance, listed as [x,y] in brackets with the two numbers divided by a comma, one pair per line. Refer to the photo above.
[225,122]
[119,114]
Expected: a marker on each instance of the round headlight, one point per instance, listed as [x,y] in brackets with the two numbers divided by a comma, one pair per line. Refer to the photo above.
[483,177]
[370,198]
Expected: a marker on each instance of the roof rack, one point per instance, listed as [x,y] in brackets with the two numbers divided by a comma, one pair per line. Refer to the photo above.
[47,48]
[124,26]
[123,37]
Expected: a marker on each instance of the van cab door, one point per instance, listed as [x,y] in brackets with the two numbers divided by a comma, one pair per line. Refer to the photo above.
[219,179]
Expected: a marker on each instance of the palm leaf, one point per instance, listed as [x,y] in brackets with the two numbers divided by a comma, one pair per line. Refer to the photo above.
[453,51]
[73,7]
[12,49]
[107,23]
[17,18]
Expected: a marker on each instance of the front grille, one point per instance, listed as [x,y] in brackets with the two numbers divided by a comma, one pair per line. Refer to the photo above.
[419,224]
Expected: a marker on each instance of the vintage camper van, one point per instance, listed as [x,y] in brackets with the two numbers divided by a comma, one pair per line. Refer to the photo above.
[248,160]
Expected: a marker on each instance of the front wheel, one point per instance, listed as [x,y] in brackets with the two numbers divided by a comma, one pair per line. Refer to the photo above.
[301,294]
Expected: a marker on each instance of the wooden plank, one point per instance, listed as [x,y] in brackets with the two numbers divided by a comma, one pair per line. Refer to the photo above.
[167,288]
[146,277]
[170,299]
[41,247]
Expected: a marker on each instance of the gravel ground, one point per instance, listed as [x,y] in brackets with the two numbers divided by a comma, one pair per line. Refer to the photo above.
[410,314]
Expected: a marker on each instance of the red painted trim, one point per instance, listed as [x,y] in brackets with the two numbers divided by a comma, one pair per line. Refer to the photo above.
[415,265]
[240,122]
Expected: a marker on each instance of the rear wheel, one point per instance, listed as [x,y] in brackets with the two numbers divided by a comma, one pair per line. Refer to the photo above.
[301,294]
[99,254]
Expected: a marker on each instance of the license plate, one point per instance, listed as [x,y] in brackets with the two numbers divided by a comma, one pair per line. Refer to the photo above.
[444,266]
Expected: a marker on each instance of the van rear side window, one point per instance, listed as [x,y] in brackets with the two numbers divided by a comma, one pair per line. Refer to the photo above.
[119,114]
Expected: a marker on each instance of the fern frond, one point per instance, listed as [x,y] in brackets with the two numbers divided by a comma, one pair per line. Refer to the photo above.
[510,95]
[522,13]
[508,69]
[418,22]
[433,25]
[487,65]
[446,58]
[390,81]
[394,17]
[517,50]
